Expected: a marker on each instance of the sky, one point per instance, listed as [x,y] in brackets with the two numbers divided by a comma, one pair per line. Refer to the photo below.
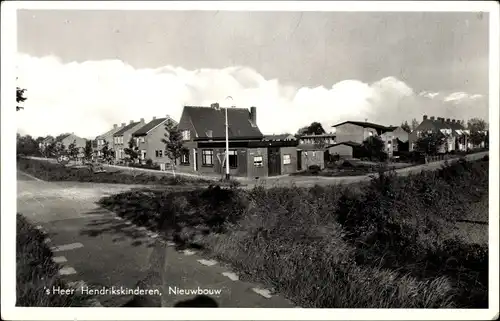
[87,70]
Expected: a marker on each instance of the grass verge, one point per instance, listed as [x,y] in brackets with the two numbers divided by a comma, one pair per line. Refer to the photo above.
[36,272]
[56,172]
[391,243]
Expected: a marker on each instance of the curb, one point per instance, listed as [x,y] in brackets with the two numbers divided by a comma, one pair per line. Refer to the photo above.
[61,259]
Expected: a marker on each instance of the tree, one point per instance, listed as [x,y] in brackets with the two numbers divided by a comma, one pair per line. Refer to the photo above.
[414,124]
[478,131]
[107,153]
[73,150]
[132,151]
[373,147]
[314,128]
[26,145]
[173,142]
[430,143]
[20,98]
[88,150]
[406,127]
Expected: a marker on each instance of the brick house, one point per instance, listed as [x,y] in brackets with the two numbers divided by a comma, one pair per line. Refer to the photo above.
[203,132]
[122,137]
[69,139]
[101,140]
[149,140]
[452,131]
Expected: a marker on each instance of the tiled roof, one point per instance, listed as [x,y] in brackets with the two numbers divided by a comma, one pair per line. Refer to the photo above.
[146,128]
[205,119]
[124,129]
[318,136]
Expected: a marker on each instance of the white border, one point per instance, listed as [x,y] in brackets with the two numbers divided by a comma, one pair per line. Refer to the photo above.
[8,176]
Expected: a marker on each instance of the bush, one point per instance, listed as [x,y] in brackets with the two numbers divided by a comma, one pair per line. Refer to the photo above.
[314,169]
[380,244]
[149,162]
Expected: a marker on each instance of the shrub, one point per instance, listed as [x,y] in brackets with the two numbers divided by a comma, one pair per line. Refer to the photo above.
[314,169]
[149,162]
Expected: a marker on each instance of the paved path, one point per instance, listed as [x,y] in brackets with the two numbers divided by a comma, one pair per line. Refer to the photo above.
[95,247]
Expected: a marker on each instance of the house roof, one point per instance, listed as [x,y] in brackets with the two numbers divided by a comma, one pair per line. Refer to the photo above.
[208,118]
[109,132]
[62,137]
[438,124]
[348,143]
[363,124]
[149,126]
[124,129]
[279,137]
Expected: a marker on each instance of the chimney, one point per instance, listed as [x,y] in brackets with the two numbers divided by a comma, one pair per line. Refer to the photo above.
[253,115]
[131,121]
[425,117]
[154,117]
[448,120]
[115,125]
[142,120]
[123,124]
[442,119]
[209,133]
[215,105]
[433,118]
[453,121]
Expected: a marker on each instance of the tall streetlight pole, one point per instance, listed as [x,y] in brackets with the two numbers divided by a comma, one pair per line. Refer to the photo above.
[227,141]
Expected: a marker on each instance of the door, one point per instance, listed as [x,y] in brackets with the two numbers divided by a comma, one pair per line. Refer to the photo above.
[299,160]
[274,162]
[196,165]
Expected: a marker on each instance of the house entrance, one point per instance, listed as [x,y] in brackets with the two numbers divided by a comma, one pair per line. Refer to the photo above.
[274,161]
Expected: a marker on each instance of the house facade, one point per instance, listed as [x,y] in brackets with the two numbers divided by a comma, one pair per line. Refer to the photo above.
[395,140]
[356,131]
[203,133]
[453,133]
[122,137]
[318,140]
[310,155]
[149,140]
[100,141]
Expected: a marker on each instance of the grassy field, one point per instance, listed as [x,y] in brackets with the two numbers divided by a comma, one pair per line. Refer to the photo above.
[55,172]
[391,243]
[36,272]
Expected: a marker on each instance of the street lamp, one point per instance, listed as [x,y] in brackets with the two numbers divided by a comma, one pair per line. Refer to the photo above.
[227,140]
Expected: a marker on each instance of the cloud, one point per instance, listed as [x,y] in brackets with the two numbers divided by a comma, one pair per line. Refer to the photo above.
[88,98]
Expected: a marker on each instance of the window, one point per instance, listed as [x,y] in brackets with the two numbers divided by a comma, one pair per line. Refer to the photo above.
[370,133]
[142,139]
[185,157]
[257,161]
[233,158]
[186,135]
[207,157]
[159,153]
[286,159]
[313,154]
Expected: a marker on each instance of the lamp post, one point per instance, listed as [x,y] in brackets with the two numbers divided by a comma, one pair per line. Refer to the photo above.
[227,141]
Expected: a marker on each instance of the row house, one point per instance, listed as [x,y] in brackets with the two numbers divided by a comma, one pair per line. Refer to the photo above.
[122,137]
[106,138]
[456,137]
[319,140]
[149,140]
